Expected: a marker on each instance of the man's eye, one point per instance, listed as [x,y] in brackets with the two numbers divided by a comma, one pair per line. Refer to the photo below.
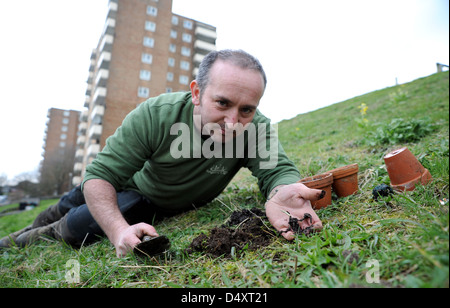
[222,103]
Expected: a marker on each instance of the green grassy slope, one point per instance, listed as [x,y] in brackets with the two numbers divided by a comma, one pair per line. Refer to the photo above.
[403,240]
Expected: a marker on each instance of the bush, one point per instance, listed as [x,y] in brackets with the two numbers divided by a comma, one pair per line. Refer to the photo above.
[399,131]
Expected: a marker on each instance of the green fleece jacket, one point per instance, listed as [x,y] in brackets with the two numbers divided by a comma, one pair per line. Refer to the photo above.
[158,152]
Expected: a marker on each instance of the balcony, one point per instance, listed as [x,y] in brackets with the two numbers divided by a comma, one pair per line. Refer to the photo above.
[112,9]
[104,60]
[82,128]
[79,155]
[95,131]
[195,72]
[99,96]
[87,101]
[198,58]
[78,167]
[76,180]
[113,5]
[203,48]
[97,114]
[81,140]
[90,77]
[206,35]
[89,89]
[84,116]
[93,150]
[102,78]
[92,65]
[110,24]
[106,43]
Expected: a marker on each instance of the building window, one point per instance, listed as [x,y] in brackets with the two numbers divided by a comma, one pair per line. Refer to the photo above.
[171,62]
[145,75]
[143,92]
[173,34]
[149,42]
[64,129]
[173,48]
[63,137]
[65,121]
[150,26]
[186,51]
[169,90]
[169,76]
[147,58]
[184,80]
[188,24]
[184,65]
[187,38]
[62,144]
[152,11]
[175,20]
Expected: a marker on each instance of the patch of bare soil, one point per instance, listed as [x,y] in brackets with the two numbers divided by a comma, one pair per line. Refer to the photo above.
[246,227]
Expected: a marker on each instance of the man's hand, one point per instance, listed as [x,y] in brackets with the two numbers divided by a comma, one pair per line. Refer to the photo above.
[293,200]
[127,238]
[101,200]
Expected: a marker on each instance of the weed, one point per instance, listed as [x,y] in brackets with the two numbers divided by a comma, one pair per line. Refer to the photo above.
[399,131]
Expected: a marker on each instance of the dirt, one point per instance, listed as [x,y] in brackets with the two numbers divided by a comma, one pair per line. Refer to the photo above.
[294,225]
[382,190]
[245,229]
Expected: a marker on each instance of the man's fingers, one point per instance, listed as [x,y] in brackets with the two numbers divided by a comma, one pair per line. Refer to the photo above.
[289,235]
[143,229]
[310,193]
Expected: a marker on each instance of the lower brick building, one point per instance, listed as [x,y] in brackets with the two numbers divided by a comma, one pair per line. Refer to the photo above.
[60,144]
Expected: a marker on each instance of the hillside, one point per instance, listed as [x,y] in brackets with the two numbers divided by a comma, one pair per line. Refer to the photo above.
[333,132]
[399,241]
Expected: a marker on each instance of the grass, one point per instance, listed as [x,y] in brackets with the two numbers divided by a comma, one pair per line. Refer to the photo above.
[400,241]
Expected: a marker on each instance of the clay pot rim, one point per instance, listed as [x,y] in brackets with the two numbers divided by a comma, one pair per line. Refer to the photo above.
[344,171]
[327,178]
[423,178]
[395,152]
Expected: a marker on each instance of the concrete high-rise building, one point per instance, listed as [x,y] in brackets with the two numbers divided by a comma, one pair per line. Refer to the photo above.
[60,143]
[144,50]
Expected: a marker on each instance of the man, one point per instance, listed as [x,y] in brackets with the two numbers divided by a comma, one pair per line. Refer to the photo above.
[148,169]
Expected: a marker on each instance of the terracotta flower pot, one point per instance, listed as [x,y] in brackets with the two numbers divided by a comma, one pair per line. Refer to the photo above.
[323,182]
[404,170]
[345,180]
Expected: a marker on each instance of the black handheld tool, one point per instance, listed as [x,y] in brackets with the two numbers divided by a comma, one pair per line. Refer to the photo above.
[152,246]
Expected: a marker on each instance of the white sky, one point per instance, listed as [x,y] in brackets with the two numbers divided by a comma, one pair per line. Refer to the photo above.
[315,53]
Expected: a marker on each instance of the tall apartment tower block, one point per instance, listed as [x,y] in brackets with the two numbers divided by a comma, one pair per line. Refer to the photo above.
[144,50]
[60,142]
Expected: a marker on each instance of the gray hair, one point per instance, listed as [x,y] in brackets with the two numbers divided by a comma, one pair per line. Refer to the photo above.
[239,58]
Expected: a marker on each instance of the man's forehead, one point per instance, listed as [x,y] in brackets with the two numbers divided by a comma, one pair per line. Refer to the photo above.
[223,69]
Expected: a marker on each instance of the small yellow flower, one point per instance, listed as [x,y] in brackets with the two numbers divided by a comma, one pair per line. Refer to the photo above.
[363,109]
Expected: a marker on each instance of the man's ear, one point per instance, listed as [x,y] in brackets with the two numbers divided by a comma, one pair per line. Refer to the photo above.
[195,91]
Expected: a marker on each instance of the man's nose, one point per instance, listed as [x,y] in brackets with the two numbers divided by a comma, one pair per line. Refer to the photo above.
[232,117]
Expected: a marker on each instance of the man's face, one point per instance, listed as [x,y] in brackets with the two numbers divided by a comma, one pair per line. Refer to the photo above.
[229,100]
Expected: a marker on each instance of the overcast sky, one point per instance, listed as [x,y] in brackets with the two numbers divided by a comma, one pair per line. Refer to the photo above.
[315,53]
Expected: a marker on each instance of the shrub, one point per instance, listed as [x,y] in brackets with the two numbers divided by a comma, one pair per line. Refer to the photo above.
[399,131]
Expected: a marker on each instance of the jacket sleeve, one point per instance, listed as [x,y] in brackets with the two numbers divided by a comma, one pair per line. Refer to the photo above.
[125,152]
[268,161]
